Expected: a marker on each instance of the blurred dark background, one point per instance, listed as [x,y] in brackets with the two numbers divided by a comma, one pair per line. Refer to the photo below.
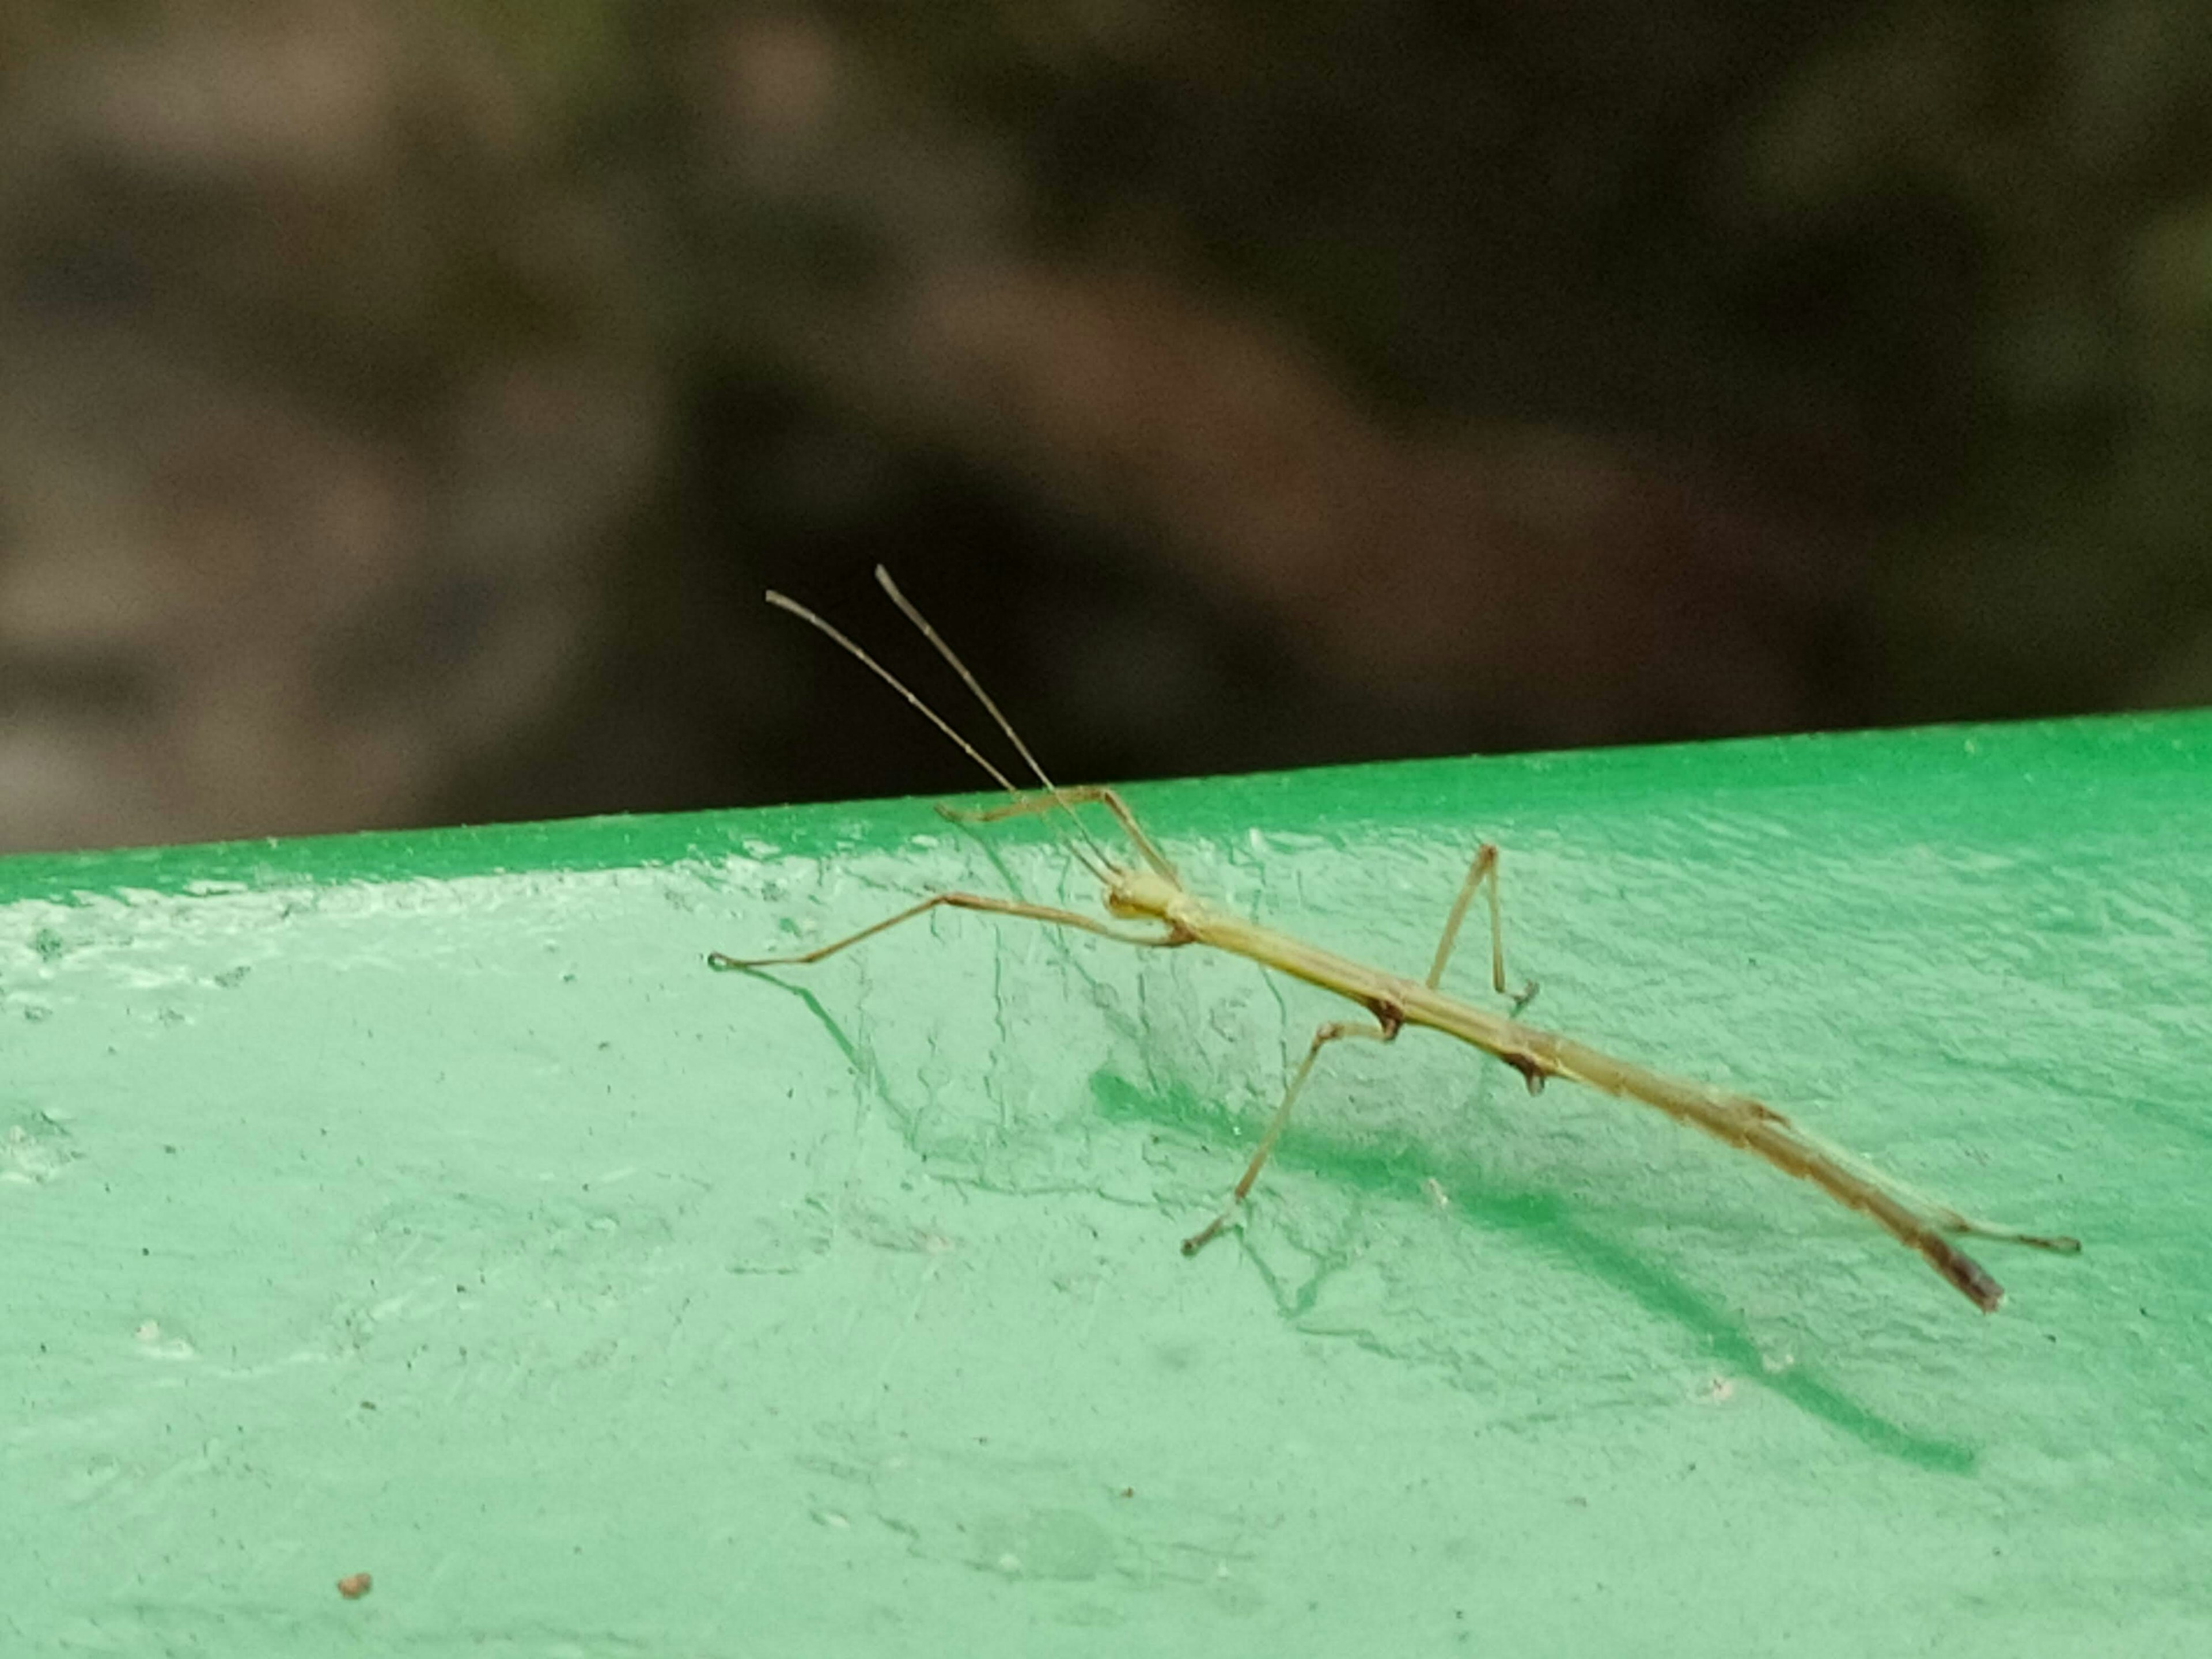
[402,406]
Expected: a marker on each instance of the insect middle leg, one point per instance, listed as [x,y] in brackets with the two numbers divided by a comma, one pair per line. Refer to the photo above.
[1379,1032]
[1481,872]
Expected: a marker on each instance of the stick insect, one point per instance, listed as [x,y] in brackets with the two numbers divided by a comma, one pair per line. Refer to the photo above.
[1148,890]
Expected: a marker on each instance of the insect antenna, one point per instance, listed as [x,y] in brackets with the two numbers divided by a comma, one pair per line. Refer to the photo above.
[837,636]
[921,623]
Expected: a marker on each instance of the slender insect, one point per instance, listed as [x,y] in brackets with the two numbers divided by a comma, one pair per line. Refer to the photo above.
[1149,891]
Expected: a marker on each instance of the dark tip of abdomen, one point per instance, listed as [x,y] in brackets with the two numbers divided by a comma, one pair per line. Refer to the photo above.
[1972,1279]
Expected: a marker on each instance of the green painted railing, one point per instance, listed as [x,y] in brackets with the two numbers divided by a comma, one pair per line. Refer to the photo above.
[421,1205]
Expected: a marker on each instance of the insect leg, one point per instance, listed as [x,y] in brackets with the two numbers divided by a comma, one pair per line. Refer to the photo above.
[1952,1222]
[1482,872]
[1327,1035]
[997,907]
[1085,794]
[1798,1150]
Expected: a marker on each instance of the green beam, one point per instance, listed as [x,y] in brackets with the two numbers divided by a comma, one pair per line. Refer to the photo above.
[421,1205]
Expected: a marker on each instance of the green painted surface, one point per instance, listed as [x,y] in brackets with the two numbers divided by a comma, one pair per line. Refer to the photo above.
[423,1205]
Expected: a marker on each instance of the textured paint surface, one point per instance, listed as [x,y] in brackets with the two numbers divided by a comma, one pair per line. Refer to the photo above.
[421,1206]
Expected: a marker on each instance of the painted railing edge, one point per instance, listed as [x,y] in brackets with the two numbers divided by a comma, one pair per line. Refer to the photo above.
[637,840]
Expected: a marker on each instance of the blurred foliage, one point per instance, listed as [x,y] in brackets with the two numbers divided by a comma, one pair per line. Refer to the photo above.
[406,404]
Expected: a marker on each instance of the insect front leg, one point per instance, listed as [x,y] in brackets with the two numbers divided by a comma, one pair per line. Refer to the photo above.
[1087,794]
[984,902]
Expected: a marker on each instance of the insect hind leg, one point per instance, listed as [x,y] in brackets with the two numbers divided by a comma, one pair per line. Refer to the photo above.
[1952,1222]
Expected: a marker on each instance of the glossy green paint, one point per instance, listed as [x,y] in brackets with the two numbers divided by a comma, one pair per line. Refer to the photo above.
[422,1205]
